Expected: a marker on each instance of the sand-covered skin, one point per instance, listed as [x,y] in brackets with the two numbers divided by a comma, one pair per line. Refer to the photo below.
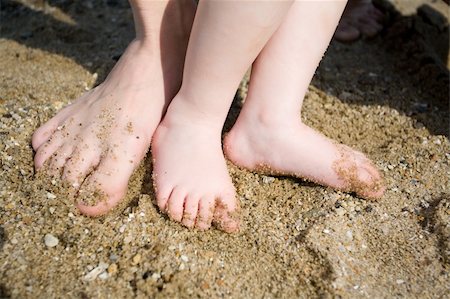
[387,97]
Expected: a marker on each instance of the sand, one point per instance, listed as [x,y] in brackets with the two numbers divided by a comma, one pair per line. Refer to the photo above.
[386,96]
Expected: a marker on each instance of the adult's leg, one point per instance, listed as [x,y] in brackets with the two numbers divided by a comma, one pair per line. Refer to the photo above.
[190,174]
[97,142]
[269,134]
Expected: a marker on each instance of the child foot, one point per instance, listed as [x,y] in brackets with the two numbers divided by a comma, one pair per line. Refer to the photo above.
[298,150]
[359,17]
[97,142]
[190,173]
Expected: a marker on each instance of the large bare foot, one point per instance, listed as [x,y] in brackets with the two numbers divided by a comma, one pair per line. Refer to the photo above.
[190,173]
[360,17]
[97,142]
[295,149]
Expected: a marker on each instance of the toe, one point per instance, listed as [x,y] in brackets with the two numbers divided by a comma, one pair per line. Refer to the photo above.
[226,215]
[205,212]
[82,161]
[47,149]
[59,158]
[110,179]
[190,210]
[162,197]
[43,133]
[370,27]
[175,204]
[376,14]
[346,32]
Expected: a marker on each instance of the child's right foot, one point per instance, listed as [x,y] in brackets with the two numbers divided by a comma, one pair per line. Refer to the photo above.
[294,149]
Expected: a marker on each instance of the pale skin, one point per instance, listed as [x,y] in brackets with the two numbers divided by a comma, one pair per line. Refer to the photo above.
[190,170]
[93,143]
[97,142]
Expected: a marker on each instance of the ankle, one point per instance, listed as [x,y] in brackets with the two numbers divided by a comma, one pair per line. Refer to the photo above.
[268,120]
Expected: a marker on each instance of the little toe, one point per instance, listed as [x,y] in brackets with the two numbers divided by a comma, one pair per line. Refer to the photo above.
[205,213]
[162,197]
[226,214]
[175,204]
[190,210]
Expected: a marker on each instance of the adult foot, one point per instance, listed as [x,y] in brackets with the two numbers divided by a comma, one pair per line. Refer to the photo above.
[190,173]
[295,149]
[98,141]
[359,17]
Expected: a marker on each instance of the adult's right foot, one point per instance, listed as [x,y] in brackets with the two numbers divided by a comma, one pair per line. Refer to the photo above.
[360,17]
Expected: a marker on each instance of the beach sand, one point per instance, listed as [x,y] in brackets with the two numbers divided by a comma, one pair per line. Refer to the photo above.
[386,96]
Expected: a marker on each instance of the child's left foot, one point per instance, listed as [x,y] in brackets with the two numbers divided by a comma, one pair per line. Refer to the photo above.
[191,178]
[292,148]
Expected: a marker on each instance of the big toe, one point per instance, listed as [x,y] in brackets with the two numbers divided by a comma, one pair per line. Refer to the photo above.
[105,188]
[370,183]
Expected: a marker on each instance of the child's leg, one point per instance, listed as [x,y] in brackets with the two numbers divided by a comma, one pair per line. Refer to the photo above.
[360,17]
[98,141]
[269,135]
[191,177]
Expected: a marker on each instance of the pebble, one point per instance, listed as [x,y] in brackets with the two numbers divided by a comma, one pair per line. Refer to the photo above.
[349,235]
[14,241]
[400,281]
[326,231]
[136,259]
[104,275]
[127,239]
[113,257]
[122,228]
[182,267]
[52,210]
[112,269]
[268,179]
[184,258]
[340,212]
[156,276]
[94,273]
[51,195]
[50,240]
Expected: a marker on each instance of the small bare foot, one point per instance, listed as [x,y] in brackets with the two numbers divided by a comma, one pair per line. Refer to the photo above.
[190,173]
[97,142]
[297,150]
[359,17]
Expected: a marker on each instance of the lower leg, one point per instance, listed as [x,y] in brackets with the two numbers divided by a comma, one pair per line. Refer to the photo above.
[98,141]
[191,177]
[283,71]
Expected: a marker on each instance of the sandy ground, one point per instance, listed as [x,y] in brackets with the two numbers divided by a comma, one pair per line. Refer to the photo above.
[387,97]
